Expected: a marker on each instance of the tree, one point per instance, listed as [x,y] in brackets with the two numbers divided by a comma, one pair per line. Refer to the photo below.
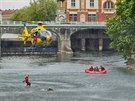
[38,10]
[121,28]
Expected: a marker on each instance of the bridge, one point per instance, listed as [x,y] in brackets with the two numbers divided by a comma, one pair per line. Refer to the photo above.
[64,31]
[50,25]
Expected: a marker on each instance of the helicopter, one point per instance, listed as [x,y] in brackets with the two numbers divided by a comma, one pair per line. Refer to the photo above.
[38,36]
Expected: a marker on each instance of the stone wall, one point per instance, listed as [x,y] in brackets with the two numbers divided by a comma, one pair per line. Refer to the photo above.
[131,63]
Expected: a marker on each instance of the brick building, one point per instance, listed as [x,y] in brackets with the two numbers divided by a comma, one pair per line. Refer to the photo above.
[6,14]
[85,10]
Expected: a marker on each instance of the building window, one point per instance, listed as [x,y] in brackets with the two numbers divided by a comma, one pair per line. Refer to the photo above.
[72,3]
[91,3]
[108,5]
[73,17]
[91,17]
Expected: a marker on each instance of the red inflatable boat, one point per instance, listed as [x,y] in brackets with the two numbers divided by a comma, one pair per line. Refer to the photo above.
[95,72]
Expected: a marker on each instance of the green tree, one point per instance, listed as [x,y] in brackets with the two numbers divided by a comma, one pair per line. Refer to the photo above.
[44,10]
[121,28]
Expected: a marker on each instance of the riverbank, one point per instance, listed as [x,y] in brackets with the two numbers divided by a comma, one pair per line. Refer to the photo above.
[131,64]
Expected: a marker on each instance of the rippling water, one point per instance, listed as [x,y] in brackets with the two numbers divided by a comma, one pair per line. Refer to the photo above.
[66,76]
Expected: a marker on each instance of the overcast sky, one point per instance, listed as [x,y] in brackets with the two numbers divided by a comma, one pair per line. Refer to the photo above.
[13,4]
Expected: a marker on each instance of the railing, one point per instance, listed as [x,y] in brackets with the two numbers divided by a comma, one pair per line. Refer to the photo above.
[52,22]
[112,11]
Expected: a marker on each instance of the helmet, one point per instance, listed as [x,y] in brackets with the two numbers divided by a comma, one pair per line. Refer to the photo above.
[101,66]
[40,22]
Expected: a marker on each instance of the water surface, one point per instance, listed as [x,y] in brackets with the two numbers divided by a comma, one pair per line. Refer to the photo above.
[66,76]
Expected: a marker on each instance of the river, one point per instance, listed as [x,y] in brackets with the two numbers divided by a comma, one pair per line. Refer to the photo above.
[66,76]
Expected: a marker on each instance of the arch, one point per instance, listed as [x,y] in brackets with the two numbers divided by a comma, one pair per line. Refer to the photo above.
[89,40]
[108,5]
[55,32]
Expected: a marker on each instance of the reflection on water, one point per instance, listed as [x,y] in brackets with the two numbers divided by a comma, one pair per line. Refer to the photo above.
[66,76]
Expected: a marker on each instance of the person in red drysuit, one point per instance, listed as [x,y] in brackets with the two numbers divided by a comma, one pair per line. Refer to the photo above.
[91,68]
[27,80]
[96,69]
[102,68]
[35,39]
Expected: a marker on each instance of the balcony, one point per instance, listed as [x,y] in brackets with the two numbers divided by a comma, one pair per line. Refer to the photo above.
[108,11]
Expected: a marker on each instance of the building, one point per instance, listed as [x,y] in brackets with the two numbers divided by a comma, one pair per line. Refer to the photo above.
[6,14]
[85,10]
[0,16]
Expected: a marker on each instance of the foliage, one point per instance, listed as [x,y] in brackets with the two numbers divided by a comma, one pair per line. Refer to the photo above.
[121,28]
[43,10]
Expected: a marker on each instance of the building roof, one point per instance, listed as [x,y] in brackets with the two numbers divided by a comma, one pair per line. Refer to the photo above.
[9,11]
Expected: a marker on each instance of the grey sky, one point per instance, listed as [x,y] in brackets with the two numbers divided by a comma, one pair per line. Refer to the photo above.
[13,4]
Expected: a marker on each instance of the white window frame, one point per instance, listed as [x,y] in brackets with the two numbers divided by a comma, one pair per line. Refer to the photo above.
[108,5]
[73,3]
[92,3]
[92,17]
[73,17]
